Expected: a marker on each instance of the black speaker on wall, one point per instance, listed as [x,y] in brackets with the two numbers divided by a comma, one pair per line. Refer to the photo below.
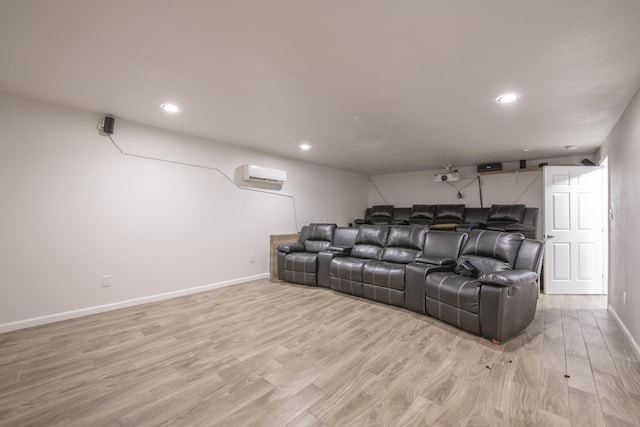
[108,125]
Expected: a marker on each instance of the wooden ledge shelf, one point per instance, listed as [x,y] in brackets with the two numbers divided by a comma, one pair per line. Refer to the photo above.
[534,169]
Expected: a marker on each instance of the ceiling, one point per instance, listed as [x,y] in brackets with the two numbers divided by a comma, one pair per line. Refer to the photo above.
[375,86]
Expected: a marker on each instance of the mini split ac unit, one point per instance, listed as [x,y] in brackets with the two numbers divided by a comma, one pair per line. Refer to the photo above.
[262,174]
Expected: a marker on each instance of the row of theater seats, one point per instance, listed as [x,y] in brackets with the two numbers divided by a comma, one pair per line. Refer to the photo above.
[517,218]
[483,281]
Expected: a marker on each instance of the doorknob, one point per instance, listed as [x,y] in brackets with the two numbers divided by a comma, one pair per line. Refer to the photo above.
[548,236]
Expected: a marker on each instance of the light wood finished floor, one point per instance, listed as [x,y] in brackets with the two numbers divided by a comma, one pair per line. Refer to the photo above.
[274,354]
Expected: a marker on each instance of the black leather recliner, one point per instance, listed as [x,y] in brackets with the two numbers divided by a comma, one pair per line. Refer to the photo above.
[298,262]
[422,214]
[494,295]
[401,216]
[377,215]
[528,226]
[381,214]
[502,216]
[367,216]
[474,218]
[496,301]
[441,251]
[449,214]
[384,280]
[343,241]
[346,272]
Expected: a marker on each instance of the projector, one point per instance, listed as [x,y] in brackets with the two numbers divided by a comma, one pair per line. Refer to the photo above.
[446,177]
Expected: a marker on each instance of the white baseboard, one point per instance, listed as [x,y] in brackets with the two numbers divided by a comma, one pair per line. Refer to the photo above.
[51,318]
[632,342]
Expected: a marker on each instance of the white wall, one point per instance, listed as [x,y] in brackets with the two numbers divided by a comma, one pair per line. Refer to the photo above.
[74,209]
[406,189]
[623,150]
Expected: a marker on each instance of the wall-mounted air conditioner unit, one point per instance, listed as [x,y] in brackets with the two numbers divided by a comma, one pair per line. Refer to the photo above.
[262,174]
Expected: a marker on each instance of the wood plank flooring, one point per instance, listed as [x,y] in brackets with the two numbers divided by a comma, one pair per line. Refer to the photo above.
[275,354]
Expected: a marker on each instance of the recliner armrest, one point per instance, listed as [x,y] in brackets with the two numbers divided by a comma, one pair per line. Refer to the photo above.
[508,278]
[346,250]
[291,247]
[414,290]
[424,259]
[324,264]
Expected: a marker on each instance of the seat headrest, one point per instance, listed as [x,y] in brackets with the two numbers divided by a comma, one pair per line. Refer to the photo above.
[406,236]
[493,244]
[506,213]
[423,211]
[451,212]
[372,235]
[382,210]
[317,231]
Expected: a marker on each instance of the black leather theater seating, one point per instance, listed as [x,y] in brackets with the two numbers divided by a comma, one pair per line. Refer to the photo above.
[300,260]
[517,218]
[484,281]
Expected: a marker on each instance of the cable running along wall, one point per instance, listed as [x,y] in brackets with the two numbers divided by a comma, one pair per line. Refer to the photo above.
[195,165]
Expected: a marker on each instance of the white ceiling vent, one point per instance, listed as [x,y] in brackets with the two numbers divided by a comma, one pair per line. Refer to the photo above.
[262,174]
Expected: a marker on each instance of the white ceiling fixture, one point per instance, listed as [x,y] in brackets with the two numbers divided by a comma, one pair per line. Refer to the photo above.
[571,147]
[304,147]
[422,101]
[171,108]
[508,98]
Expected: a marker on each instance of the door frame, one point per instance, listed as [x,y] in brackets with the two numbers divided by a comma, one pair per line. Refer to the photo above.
[574,257]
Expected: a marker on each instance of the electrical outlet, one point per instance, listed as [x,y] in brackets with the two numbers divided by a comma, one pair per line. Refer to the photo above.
[252,259]
[624,298]
[106,281]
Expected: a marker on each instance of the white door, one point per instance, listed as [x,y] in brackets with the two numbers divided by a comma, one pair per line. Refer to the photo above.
[573,230]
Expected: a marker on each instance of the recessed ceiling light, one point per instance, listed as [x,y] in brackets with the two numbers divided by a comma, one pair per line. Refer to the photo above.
[304,146]
[570,147]
[527,149]
[170,108]
[508,98]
